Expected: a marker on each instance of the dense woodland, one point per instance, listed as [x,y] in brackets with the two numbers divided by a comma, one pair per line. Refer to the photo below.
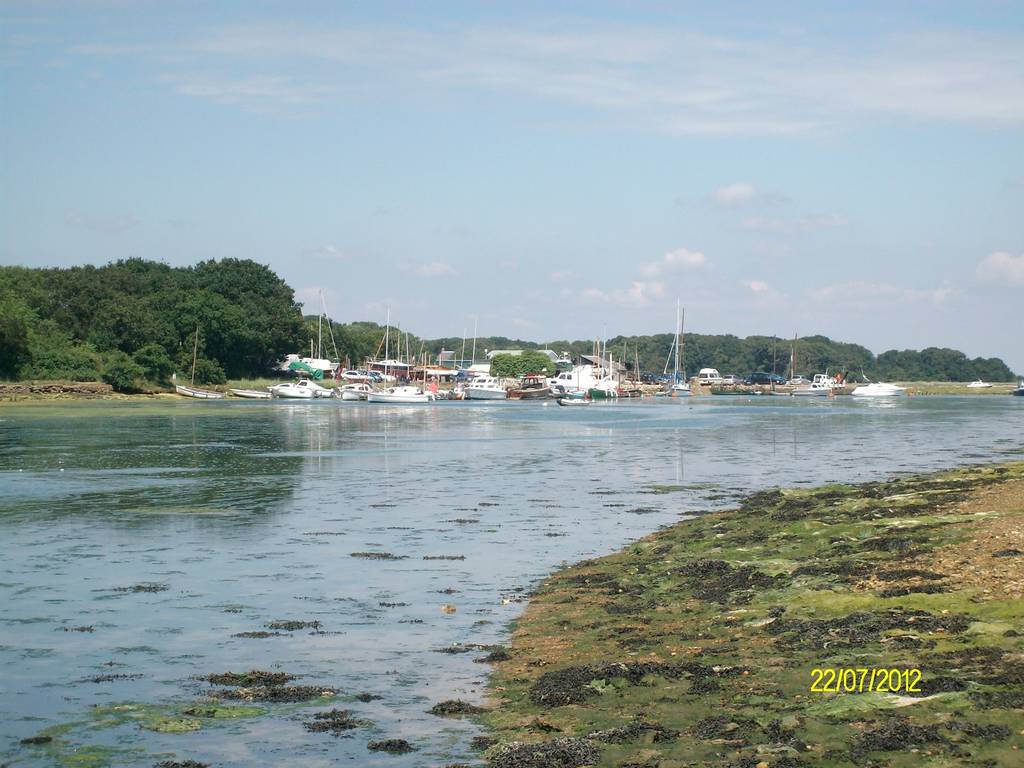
[133,323]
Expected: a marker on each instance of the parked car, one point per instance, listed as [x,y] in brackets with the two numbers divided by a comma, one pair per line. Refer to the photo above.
[799,381]
[733,378]
[762,377]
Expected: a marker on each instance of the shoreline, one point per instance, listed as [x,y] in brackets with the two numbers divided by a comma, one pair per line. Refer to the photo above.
[47,391]
[695,645]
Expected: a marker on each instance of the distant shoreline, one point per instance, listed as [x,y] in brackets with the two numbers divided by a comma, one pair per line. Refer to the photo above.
[54,391]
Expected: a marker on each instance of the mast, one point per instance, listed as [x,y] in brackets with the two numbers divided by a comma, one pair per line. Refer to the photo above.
[682,342]
[195,351]
[320,328]
[475,319]
[679,325]
[462,358]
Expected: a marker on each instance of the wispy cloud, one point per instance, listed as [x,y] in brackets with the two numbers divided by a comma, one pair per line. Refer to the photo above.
[431,269]
[108,223]
[734,194]
[1000,265]
[863,294]
[680,258]
[669,80]
[562,276]
[777,226]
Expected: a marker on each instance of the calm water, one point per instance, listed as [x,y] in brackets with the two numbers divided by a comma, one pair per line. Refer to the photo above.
[248,513]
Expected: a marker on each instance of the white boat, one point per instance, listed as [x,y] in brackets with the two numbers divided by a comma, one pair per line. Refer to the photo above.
[878,389]
[979,384]
[353,391]
[486,388]
[822,386]
[252,394]
[1019,391]
[399,395]
[303,389]
[201,394]
[581,377]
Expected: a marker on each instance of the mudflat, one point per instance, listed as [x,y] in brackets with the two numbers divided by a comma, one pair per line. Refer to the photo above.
[714,641]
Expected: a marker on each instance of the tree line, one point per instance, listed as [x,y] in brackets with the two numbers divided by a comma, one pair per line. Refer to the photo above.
[133,322]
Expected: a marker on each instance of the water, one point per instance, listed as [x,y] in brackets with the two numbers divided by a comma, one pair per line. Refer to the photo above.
[248,512]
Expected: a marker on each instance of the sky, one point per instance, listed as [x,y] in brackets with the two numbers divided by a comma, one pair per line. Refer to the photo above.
[542,170]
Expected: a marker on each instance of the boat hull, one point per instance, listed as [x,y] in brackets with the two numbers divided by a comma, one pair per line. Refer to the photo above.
[473,393]
[252,394]
[535,393]
[199,394]
[381,397]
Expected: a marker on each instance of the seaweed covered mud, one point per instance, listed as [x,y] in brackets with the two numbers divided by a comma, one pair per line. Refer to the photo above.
[698,645]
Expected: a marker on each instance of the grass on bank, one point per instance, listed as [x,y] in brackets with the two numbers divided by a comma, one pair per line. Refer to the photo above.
[695,646]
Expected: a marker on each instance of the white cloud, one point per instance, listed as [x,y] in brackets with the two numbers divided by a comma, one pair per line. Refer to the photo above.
[732,194]
[680,258]
[1000,265]
[431,269]
[757,286]
[326,253]
[254,91]
[561,277]
[639,294]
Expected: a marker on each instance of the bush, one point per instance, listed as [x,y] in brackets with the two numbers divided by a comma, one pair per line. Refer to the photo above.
[155,363]
[122,373]
[208,372]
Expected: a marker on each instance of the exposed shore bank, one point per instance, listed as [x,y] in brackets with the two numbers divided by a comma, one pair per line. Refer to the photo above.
[696,645]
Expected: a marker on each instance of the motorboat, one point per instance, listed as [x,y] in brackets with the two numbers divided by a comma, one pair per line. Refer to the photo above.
[607,387]
[533,387]
[200,394]
[1020,388]
[878,389]
[577,397]
[404,394]
[303,389]
[486,388]
[979,384]
[252,394]
[581,377]
[353,391]
[822,385]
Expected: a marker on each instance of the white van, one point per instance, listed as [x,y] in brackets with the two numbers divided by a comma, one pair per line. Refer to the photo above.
[709,376]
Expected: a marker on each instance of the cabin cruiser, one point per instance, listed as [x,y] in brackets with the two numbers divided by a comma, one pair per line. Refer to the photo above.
[408,395]
[303,389]
[580,378]
[1020,388]
[878,389]
[821,386]
[353,391]
[486,388]
[979,384]
[532,387]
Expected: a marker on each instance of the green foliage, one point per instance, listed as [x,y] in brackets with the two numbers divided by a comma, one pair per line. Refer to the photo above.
[52,321]
[207,372]
[122,373]
[155,363]
[514,366]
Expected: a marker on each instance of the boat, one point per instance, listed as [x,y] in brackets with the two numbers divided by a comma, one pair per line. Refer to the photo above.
[353,391]
[407,395]
[303,389]
[486,388]
[878,389]
[822,385]
[578,397]
[680,386]
[1020,388]
[605,388]
[252,394]
[192,390]
[201,394]
[532,387]
[979,384]
[581,377]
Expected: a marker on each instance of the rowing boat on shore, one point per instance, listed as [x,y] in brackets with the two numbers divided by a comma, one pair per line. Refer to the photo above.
[252,394]
[201,394]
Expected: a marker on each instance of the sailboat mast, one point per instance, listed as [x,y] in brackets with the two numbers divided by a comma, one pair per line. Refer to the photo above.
[682,341]
[675,365]
[195,352]
[475,319]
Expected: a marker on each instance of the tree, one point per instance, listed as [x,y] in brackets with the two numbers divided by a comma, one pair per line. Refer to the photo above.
[156,365]
[515,366]
[122,373]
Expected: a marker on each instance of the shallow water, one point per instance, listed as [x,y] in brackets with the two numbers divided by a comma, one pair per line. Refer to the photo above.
[248,512]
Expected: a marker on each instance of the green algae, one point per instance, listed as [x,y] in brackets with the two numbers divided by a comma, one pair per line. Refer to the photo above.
[774,589]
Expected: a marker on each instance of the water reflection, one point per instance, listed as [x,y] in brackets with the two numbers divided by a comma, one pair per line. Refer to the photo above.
[249,513]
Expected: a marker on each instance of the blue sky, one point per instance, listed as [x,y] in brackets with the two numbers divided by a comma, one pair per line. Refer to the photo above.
[557,170]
